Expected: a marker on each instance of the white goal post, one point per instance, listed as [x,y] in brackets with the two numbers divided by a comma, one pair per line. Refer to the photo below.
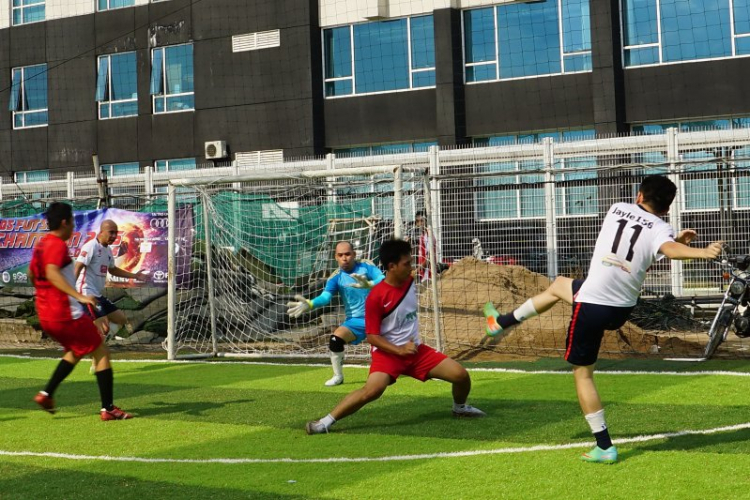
[242,246]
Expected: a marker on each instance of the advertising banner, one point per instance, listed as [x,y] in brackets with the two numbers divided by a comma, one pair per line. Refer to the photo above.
[141,244]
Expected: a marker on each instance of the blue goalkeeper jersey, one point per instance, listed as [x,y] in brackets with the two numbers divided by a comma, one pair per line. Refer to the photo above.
[341,282]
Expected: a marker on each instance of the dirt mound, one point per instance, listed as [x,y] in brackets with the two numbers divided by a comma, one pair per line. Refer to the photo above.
[470,283]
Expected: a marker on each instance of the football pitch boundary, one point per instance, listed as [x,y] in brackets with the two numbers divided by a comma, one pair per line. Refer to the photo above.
[565,371]
[391,458]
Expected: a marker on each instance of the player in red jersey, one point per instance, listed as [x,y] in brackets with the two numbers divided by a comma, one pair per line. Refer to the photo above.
[392,330]
[62,316]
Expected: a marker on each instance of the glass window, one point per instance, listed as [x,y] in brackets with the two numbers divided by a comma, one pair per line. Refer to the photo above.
[529,39]
[385,149]
[116,169]
[506,197]
[172,84]
[117,86]
[381,60]
[113,4]
[656,31]
[175,165]
[338,61]
[27,11]
[523,39]
[28,96]
[32,176]
[479,34]
[382,56]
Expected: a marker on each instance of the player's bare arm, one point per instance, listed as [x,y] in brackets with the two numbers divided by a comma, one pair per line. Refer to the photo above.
[399,350]
[55,276]
[120,273]
[678,251]
[78,268]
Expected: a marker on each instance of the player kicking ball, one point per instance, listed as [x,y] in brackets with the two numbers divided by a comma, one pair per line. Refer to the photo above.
[61,314]
[353,281]
[393,332]
[632,238]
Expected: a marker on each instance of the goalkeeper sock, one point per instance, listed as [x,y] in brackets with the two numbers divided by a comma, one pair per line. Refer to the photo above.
[63,370]
[328,421]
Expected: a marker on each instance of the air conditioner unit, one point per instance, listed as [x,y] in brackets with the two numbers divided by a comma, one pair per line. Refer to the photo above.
[216,150]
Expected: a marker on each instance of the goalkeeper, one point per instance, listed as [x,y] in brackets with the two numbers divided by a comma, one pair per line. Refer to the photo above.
[353,281]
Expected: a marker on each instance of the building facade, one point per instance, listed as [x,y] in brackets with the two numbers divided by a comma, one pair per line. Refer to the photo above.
[152,82]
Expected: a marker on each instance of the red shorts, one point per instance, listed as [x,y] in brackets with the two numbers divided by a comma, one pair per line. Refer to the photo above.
[78,335]
[417,365]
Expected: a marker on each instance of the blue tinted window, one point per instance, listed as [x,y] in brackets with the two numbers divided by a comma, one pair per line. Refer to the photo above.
[423,79]
[381,60]
[695,30]
[28,11]
[481,73]
[576,25]
[115,169]
[479,33]
[175,165]
[117,86]
[28,99]
[577,63]
[741,16]
[32,176]
[385,149]
[639,57]
[704,125]
[422,42]
[173,85]
[742,46]
[114,4]
[639,22]
[338,52]
[529,39]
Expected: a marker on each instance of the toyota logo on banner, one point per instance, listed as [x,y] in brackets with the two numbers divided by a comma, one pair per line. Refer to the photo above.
[159,223]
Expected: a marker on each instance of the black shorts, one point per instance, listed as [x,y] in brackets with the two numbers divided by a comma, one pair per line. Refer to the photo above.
[105,307]
[587,325]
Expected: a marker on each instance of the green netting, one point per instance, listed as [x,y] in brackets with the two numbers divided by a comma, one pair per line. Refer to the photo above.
[293,242]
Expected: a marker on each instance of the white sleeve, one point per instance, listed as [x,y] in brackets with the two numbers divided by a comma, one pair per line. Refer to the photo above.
[86,254]
[665,235]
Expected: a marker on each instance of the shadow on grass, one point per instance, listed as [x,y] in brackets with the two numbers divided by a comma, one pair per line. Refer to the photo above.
[731,442]
[24,482]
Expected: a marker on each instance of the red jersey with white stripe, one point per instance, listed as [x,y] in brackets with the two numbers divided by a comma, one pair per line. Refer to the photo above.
[96,259]
[51,303]
[392,313]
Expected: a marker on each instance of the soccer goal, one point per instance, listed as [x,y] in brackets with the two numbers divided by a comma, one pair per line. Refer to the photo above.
[241,247]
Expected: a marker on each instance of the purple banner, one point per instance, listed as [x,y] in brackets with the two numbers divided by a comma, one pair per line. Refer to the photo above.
[141,244]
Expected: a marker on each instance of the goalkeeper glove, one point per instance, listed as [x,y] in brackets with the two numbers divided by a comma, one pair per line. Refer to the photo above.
[361,281]
[300,307]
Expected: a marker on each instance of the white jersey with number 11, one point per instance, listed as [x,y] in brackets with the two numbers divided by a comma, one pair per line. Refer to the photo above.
[628,244]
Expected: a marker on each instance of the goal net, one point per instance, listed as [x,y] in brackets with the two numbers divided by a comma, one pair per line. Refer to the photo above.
[244,247]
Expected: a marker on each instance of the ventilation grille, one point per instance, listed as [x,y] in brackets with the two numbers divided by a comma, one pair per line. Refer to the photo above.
[258,159]
[256,41]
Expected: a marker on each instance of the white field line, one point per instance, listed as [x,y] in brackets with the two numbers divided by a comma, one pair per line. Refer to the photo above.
[364,367]
[392,458]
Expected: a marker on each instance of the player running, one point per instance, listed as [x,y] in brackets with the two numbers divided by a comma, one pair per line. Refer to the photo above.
[393,332]
[632,238]
[62,316]
[96,260]
[353,281]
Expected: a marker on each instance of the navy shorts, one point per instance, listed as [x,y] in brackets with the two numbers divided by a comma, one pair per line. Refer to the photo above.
[587,325]
[105,307]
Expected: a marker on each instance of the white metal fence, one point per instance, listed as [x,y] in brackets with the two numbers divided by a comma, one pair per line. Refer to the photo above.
[537,206]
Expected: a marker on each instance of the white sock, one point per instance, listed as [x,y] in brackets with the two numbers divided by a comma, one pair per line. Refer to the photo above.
[328,421]
[596,421]
[525,311]
[337,363]
[458,407]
